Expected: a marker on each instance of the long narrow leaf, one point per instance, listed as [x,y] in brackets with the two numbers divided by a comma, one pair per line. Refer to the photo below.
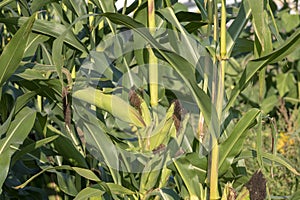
[14,137]
[237,26]
[89,192]
[13,52]
[184,68]
[232,146]
[255,65]
[33,146]
[48,28]
[5,2]
[269,157]
[261,28]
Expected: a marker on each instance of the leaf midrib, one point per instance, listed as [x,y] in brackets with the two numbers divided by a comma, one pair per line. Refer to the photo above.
[3,148]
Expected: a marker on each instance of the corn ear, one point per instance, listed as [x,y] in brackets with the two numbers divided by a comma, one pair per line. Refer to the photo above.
[112,104]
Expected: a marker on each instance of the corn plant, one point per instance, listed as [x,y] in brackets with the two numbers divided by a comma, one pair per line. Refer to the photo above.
[151,101]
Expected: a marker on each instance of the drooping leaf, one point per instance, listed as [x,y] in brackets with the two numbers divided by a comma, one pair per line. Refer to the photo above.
[118,189]
[13,52]
[184,68]
[90,192]
[164,194]
[280,160]
[48,28]
[31,147]
[34,41]
[255,65]
[107,7]
[86,173]
[98,142]
[66,148]
[18,130]
[246,154]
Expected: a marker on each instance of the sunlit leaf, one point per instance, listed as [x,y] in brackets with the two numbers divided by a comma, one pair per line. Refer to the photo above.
[13,52]
[232,146]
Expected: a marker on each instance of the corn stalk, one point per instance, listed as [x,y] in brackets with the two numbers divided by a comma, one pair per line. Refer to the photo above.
[153,66]
[214,193]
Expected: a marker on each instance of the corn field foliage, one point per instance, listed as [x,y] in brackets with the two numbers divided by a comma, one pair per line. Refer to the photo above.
[149,101]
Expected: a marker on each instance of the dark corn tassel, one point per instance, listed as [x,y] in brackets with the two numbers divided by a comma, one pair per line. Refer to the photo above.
[66,107]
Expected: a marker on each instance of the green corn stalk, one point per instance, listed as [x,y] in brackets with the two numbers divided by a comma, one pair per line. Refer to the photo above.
[216,25]
[210,16]
[214,193]
[153,66]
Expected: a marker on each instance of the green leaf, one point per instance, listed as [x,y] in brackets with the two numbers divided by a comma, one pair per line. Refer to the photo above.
[13,138]
[89,192]
[78,6]
[268,157]
[244,194]
[192,170]
[269,103]
[165,194]
[13,52]
[237,26]
[184,68]
[31,147]
[86,173]
[255,65]
[31,74]
[289,21]
[107,7]
[169,14]
[48,28]
[280,160]
[98,142]
[66,148]
[162,133]
[151,174]
[4,127]
[34,41]
[201,5]
[283,81]
[183,16]
[295,196]
[5,2]
[232,146]
[260,25]
[37,4]
[119,189]
[58,57]
[66,183]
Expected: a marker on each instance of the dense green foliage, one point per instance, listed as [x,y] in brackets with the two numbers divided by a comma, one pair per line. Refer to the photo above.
[79,116]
